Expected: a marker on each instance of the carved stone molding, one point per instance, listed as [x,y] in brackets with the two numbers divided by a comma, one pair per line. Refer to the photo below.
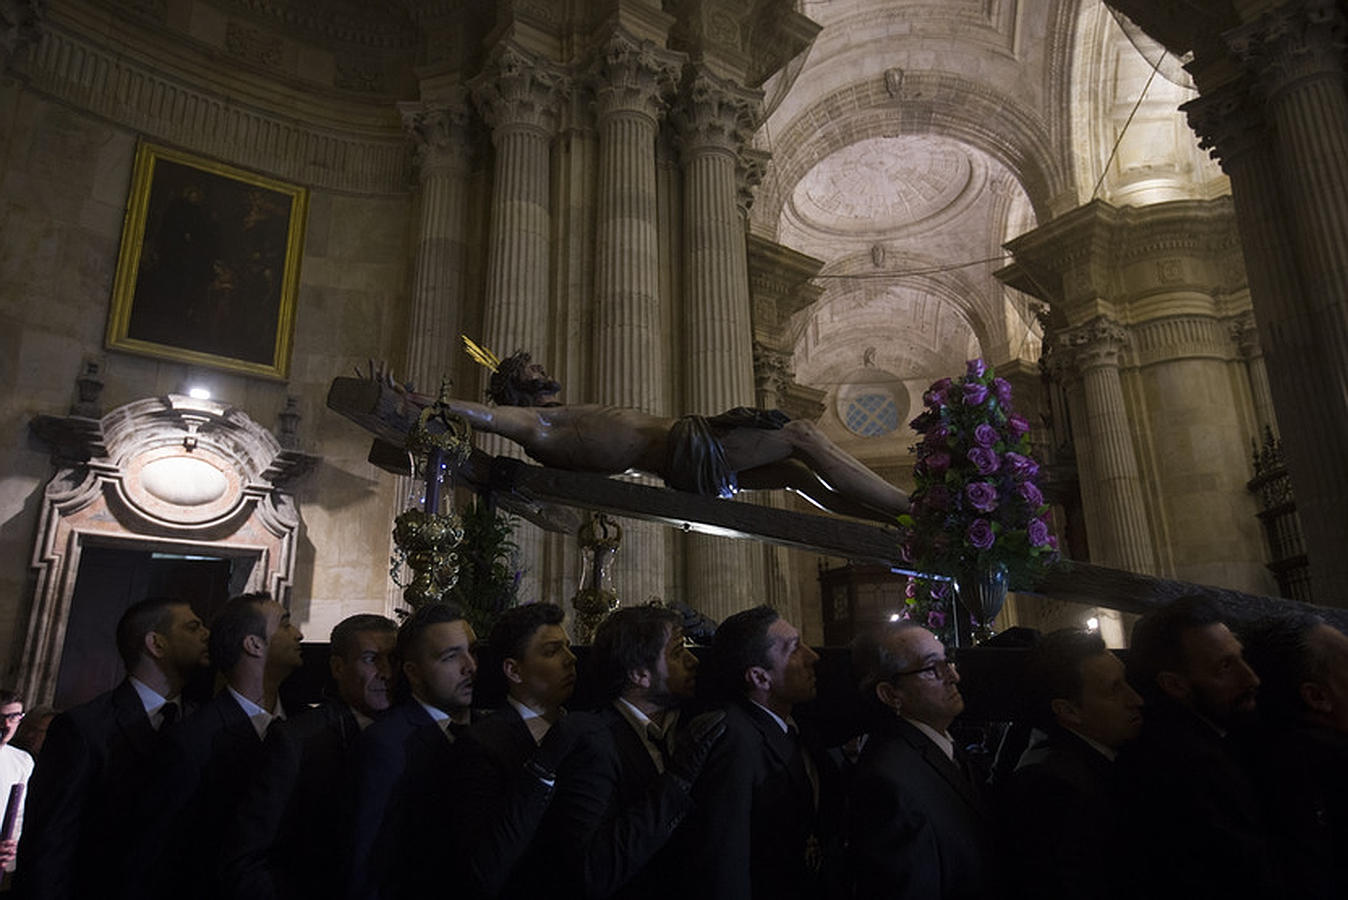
[1245,334]
[1180,337]
[440,133]
[773,370]
[1099,342]
[632,76]
[517,91]
[166,473]
[750,166]
[20,27]
[1293,42]
[146,99]
[716,115]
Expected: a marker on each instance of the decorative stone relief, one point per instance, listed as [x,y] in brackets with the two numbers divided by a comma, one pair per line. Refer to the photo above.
[773,372]
[893,81]
[1180,337]
[517,90]
[359,75]
[634,76]
[1227,121]
[1292,42]
[20,27]
[717,114]
[750,166]
[1099,342]
[1245,334]
[254,45]
[440,132]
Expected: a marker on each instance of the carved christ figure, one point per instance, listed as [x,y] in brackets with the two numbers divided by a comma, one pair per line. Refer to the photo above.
[744,448]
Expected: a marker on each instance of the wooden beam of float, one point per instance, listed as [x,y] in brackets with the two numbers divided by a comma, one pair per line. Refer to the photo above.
[542,495]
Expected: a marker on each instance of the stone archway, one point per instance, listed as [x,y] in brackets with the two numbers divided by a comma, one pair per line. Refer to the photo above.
[165,474]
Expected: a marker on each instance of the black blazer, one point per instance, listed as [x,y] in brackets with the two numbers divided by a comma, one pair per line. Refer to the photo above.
[756,831]
[201,771]
[401,763]
[1061,815]
[294,818]
[1192,811]
[918,826]
[88,774]
[497,808]
[613,813]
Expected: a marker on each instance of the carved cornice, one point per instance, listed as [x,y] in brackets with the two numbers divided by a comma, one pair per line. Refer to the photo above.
[383,25]
[1291,43]
[440,133]
[158,100]
[632,76]
[518,91]
[716,115]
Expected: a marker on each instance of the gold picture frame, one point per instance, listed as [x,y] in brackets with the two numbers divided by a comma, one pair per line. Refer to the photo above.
[209,266]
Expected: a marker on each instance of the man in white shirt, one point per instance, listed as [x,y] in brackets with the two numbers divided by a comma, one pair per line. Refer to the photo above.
[918,826]
[15,768]
[206,763]
[96,756]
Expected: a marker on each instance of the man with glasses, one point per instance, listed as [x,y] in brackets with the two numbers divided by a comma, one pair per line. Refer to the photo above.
[15,767]
[917,822]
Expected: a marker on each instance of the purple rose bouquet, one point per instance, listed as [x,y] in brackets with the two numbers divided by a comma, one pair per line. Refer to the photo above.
[975,504]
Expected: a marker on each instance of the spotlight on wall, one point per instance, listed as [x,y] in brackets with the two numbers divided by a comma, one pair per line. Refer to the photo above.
[1092,624]
[893,617]
[199,393]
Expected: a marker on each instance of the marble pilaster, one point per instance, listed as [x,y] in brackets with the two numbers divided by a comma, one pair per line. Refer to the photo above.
[630,359]
[1124,536]
[715,121]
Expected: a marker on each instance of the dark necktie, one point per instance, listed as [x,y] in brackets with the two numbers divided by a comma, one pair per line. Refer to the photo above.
[169,713]
[656,735]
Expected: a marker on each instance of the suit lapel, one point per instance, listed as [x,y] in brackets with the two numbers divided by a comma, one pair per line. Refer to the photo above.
[636,762]
[132,719]
[782,748]
[935,757]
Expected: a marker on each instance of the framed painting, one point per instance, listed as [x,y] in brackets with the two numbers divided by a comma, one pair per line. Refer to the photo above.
[209,265]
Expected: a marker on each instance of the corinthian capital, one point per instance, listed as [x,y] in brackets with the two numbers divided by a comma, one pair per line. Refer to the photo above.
[773,371]
[634,76]
[440,133]
[750,167]
[518,91]
[717,115]
[1228,121]
[1097,343]
[1292,42]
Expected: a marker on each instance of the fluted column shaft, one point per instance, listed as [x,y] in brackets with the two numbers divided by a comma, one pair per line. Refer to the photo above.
[1125,537]
[1297,55]
[442,163]
[630,360]
[519,96]
[723,576]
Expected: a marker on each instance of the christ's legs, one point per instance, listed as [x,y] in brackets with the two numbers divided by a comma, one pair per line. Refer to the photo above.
[838,481]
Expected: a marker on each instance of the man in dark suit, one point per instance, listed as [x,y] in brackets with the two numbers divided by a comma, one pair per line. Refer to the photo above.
[294,818]
[918,825]
[1193,809]
[205,764]
[1302,750]
[94,758]
[764,818]
[1061,807]
[401,761]
[625,788]
[504,774]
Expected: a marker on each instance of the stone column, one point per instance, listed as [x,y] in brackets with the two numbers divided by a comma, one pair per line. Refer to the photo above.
[1296,54]
[442,153]
[519,96]
[1123,537]
[717,117]
[781,591]
[630,360]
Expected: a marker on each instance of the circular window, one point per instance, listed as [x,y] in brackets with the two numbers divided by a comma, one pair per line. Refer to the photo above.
[871,414]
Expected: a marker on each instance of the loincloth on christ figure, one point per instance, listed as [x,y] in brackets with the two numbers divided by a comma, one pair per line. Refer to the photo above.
[695,460]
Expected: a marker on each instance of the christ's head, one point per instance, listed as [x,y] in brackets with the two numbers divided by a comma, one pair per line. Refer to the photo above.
[519,381]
